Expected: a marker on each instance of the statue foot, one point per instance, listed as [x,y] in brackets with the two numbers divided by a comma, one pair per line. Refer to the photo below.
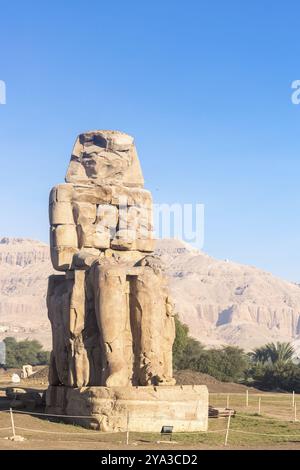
[117,379]
[159,380]
[167,381]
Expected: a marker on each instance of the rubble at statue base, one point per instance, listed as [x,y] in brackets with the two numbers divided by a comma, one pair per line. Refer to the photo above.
[111,315]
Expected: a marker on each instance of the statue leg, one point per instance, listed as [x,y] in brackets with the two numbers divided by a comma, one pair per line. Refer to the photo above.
[58,307]
[153,323]
[112,312]
[148,313]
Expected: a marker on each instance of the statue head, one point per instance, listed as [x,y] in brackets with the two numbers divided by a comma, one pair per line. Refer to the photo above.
[104,158]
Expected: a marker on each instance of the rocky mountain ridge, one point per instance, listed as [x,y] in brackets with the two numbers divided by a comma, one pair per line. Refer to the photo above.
[222,302]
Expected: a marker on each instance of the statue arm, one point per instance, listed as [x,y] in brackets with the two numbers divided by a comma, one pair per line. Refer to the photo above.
[63,233]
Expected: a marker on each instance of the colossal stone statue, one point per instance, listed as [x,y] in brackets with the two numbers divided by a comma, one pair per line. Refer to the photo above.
[111,315]
[111,309]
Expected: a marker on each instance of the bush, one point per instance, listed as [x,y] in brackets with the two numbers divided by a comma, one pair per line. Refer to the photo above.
[272,368]
[226,364]
[25,352]
[180,343]
[278,376]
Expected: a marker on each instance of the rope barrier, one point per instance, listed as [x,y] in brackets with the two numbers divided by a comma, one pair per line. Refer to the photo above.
[261,394]
[46,414]
[261,418]
[264,434]
[61,432]
[94,433]
[31,413]
[216,430]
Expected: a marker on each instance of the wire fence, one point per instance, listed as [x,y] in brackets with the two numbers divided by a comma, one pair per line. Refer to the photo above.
[280,405]
[274,410]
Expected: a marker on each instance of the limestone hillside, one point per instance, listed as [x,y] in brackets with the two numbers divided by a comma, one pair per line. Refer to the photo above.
[222,302]
[228,303]
[24,268]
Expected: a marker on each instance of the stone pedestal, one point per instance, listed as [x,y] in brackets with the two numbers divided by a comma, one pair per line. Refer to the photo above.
[140,409]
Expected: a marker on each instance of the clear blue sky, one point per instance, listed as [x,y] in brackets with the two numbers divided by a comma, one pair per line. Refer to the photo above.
[204,86]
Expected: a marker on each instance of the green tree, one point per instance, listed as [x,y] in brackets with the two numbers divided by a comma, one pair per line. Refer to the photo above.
[234,362]
[43,357]
[181,341]
[279,376]
[272,368]
[24,352]
[273,353]
[227,364]
[10,347]
[190,355]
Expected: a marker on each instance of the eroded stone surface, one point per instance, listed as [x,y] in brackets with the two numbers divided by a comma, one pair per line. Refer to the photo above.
[111,314]
[137,409]
[105,157]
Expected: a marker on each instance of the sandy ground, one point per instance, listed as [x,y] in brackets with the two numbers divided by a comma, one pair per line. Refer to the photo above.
[42,434]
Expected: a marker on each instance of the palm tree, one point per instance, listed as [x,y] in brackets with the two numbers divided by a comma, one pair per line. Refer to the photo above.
[260,354]
[274,353]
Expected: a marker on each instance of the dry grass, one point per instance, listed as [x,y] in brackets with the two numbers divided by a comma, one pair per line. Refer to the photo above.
[275,405]
[274,429]
[43,434]
[247,430]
